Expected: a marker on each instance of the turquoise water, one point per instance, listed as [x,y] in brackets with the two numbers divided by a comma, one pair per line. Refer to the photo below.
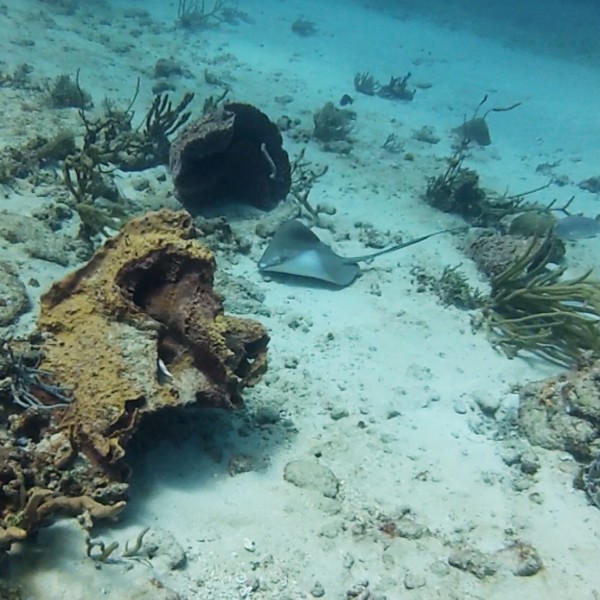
[390,449]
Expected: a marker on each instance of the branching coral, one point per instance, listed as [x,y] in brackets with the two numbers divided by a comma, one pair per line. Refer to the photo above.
[111,142]
[397,89]
[365,83]
[457,191]
[304,176]
[193,14]
[162,120]
[532,308]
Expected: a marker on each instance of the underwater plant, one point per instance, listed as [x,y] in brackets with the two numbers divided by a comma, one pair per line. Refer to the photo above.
[193,14]
[532,308]
[111,142]
[457,191]
[365,83]
[162,120]
[304,176]
[397,89]
[451,287]
[66,93]
[332,123]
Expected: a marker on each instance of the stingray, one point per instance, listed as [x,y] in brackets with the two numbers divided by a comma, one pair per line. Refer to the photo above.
[295,250]
[476,129]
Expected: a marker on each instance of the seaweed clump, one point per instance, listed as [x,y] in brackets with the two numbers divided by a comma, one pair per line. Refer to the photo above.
[111,142]
[366,84]
[532,308]
[397,89]
[192,14]
[451,287]
[332,123]
[457,191]
[66,93]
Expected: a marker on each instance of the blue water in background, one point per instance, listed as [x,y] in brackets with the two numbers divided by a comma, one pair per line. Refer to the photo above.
[568,28]
[562,27]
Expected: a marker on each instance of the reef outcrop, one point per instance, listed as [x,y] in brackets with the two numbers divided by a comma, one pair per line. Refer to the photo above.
[234,153]
[136,330]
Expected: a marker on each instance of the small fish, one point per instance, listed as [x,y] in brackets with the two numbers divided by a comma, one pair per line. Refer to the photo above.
[346,99]
[576,227]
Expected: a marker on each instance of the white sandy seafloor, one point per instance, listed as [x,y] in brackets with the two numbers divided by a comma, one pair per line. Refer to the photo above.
[380,384]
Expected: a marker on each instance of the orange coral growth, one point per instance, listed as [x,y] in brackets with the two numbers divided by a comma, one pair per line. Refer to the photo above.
[137,329]
[147,295]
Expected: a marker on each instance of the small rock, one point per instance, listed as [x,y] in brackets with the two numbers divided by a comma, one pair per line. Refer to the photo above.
[460,406]
[440,568]
[245,463]
[426,134]
[338,413]
[591,184]
[291,362]
[521,482]
[347,560]
[14,300]
[530,463]
[317,590]
[473,561]
[326,208]
[312,475]
[331,529]
[360,591]
[164,550]
[141,184]
[510,455]
[167,67]
[487,403]
[266,415]
[413,581]
[526,560]
[409,529]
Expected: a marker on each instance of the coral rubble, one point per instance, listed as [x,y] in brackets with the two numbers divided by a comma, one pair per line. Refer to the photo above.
[136,330]
[563,412]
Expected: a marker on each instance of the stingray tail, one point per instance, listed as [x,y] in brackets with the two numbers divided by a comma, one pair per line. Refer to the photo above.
[406,244]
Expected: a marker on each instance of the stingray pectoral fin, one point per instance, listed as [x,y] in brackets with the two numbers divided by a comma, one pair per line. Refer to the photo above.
[311,264]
